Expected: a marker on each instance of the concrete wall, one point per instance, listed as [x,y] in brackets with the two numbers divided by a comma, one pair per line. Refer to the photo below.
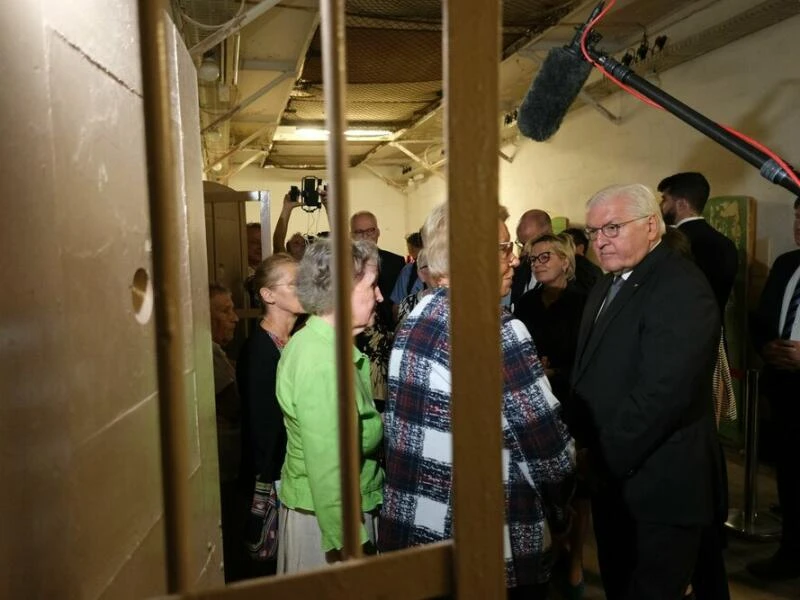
[752,85]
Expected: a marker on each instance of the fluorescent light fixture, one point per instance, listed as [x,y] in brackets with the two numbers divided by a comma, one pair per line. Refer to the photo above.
[367,133]
[288,133]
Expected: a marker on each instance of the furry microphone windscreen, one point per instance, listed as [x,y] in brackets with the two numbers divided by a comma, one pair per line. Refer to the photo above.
[552,92]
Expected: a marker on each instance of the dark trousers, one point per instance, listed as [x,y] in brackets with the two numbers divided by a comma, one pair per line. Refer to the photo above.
[527,592]
[710,578]
[786,419]
[642,561]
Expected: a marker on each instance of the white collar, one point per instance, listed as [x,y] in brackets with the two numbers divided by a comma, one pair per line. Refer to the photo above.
[687,219]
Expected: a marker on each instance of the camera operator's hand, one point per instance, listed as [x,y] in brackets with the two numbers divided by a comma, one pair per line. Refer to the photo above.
[288,204]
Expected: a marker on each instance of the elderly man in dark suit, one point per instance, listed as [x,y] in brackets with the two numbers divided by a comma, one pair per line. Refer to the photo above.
[776,336]
[642,386]
[683,198]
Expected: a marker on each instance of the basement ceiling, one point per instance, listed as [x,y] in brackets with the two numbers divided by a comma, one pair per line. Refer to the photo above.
[270,70]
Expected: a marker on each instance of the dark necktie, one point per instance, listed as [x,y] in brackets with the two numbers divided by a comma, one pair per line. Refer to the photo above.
[791,313]
[611,293]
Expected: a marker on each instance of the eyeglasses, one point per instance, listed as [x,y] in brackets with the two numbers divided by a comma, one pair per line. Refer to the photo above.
[519,244]
[364,232]
[610,230]
[542,258]
[506,248]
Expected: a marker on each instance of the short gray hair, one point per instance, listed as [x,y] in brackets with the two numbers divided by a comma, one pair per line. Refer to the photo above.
[435,233]
[314,277]
[435,239]
[639,199]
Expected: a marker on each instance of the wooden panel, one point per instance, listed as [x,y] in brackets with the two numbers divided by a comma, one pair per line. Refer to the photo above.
[422,572]
[472,55]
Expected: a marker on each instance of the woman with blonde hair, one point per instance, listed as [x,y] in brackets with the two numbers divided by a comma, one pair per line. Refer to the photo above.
[263,432]
[552,313]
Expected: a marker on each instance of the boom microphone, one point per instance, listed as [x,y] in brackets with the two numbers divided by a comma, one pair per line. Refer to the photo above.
[555,87]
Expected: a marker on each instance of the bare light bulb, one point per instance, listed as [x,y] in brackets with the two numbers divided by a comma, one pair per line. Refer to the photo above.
[209,70]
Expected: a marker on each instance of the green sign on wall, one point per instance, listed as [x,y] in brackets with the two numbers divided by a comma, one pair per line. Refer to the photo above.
[735,217]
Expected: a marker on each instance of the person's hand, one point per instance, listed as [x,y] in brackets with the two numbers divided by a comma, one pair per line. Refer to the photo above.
[288,204]
[561,539]
[791,349]
[782,354]
[334,556]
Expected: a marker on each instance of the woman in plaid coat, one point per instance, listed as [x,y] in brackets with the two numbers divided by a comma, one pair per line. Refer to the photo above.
[538,452]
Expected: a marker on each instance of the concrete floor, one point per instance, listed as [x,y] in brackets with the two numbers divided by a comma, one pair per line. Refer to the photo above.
[743,586]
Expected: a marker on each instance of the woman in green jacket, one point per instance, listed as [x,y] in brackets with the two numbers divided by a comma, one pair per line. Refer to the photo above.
[310,522]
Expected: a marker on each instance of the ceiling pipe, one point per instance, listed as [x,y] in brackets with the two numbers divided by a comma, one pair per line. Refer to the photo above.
[236,24]
[259,132]
[249,100]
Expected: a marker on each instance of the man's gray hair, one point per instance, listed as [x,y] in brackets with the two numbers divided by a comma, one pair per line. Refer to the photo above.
[640,200]
[314,276]
[363,213]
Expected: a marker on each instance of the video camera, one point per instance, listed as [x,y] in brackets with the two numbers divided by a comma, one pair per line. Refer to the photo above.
[309,193]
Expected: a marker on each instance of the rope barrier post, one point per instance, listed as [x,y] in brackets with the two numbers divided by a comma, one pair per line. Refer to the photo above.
[748,522]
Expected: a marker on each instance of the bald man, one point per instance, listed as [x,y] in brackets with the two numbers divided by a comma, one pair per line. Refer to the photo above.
[532,224]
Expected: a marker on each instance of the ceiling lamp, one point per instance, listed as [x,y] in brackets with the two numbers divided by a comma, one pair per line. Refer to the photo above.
[367,133]
[209,68]
[289,133]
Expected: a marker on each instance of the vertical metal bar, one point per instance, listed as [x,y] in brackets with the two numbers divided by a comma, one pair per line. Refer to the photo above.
[334,75]
[165,230]
[472,56]
[751,448]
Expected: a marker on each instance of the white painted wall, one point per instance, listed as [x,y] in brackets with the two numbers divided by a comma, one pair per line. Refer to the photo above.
[367,192]
[752,85]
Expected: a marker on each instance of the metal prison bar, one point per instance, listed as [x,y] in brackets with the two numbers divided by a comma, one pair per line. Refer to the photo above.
[471,566]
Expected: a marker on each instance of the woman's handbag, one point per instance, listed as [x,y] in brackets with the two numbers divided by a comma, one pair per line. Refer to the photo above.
[261,529]
[724,396]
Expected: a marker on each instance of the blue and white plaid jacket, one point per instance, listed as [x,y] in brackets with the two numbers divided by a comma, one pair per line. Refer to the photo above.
[538,452]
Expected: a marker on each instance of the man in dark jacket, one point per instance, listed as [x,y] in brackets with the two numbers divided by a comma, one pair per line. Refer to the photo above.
[586,272]
[376,340]
[683,198]
[776,336]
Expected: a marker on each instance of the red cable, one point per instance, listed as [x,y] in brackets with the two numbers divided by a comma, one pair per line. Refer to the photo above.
[789,171]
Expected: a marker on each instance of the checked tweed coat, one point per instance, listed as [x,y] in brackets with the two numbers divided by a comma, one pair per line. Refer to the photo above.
[538,453]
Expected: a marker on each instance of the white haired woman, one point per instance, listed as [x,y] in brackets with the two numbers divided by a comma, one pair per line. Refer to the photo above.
[310,522]
[538,476]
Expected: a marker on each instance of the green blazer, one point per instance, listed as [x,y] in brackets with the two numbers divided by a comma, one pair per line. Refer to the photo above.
[308,397]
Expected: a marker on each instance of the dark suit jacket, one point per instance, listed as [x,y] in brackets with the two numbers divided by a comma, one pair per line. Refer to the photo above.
[391,265]
[765,326]
[642,376]
[715,255]
[586,274]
